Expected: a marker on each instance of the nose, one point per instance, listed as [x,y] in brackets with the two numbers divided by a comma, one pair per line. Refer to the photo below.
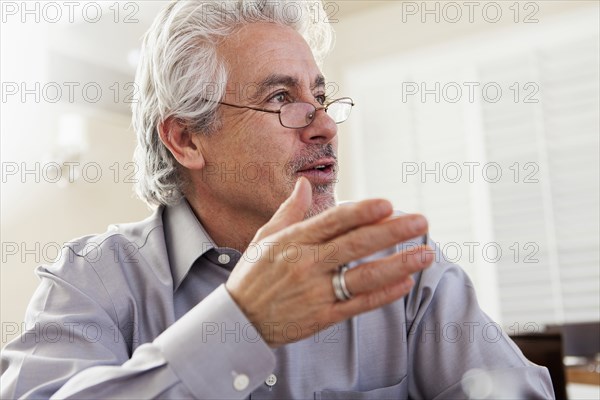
[321,130]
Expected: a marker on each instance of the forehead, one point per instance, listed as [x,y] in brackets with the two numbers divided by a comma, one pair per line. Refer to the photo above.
[259,50]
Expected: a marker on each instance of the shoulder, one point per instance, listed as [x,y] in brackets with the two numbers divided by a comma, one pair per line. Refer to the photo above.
[102,265]
[111,245]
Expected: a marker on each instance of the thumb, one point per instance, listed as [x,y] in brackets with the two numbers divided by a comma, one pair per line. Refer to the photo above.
[292,210]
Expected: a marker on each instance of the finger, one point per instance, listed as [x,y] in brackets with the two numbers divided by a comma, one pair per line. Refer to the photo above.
[366,240]
[341,219]
[387,271]
[292,210]
[372,300]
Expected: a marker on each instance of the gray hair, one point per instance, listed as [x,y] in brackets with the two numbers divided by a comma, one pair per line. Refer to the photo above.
[179,68]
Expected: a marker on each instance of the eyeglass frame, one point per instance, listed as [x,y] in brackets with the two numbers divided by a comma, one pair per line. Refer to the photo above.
[325,107]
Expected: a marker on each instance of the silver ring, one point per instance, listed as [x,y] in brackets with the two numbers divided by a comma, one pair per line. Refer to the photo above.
[339,284]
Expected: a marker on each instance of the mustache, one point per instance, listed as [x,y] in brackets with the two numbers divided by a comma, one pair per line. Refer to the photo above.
[311,154]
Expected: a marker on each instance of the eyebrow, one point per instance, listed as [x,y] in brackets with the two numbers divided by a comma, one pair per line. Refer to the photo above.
[285,80]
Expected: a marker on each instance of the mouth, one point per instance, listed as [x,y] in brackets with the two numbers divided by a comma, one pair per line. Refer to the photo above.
[320,172]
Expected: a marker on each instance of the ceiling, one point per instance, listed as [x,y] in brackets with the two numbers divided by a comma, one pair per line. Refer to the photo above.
[105,51]
[109,44]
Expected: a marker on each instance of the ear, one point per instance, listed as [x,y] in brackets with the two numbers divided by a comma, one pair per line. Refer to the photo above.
[184,145]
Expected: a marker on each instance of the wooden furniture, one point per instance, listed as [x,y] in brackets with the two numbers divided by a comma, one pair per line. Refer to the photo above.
[583,374]
[546,349]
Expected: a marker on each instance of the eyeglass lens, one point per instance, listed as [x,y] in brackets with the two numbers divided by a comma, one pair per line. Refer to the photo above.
[299,115]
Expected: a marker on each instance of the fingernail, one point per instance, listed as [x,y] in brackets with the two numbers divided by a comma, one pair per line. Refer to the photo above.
[408,284]
[297,185]
[384,207]
[419,223]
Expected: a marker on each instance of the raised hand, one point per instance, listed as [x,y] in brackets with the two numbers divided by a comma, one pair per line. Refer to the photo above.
[288,277]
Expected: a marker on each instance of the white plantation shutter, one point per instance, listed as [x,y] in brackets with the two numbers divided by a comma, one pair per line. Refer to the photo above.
[543,132]
[521,207]
[570,107]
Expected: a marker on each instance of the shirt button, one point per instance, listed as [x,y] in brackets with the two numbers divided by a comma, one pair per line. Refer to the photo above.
[224,258]
[240,382]
[271,380]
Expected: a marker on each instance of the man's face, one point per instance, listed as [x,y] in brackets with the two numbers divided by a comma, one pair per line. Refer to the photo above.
[252,161]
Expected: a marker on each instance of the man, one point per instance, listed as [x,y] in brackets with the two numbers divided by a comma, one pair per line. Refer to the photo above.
[239,286]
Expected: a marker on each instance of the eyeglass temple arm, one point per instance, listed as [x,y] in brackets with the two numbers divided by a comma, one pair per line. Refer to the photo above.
[249,108]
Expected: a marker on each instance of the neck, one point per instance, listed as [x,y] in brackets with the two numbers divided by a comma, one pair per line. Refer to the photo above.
[227,227]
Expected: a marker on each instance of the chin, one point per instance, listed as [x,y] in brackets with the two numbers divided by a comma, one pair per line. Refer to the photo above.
[323,199]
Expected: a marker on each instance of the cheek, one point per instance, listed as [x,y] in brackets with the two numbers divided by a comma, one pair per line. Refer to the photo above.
[272,158]
[270,146]
[259,146]
[264,170]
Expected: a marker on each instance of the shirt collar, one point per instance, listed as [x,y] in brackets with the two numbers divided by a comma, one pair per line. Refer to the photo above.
[187,240]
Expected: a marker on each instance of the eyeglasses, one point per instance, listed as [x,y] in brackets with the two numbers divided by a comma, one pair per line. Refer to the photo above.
[300,115]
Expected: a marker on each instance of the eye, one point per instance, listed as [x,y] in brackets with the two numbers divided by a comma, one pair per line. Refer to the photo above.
[321,99]
[281,97]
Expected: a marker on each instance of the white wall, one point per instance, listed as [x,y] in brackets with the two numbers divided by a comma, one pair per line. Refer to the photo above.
[39,212]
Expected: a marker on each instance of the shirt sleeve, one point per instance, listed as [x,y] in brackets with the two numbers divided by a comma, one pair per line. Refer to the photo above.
[71,349]
[455,348]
